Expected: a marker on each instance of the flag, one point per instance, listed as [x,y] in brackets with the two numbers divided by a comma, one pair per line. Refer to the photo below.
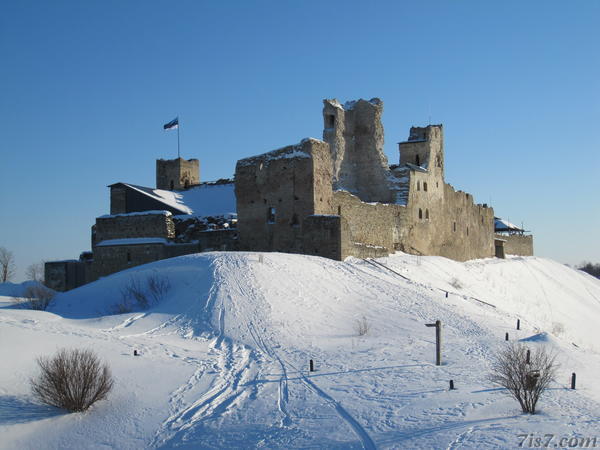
[172,125]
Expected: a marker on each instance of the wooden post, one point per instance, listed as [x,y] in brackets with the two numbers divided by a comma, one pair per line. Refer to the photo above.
[573,378]
[446,294]
[528,357]
[135,353]
[312,366]
[518,324]
[506,337]
[438,341]
[451,385]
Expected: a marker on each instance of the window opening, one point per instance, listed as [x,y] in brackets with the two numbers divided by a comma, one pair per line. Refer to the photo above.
[427,214]
[271,215]
[425,186]
[420,213]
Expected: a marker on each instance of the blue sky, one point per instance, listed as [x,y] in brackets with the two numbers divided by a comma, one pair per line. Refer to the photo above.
[85,88]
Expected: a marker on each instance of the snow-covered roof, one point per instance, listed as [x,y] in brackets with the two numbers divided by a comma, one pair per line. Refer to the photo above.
[204,200]
[505,225]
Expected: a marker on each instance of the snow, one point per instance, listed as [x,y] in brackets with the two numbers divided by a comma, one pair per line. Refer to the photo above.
[132,241]
[201,201]
[504,225]
[224,355]
[140,213]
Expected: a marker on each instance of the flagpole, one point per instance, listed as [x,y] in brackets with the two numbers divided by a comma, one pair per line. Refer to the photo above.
[178,138]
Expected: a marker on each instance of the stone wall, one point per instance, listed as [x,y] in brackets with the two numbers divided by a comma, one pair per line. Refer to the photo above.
[371,225]
[111,259]
[118,199]
[134,225]
[276,191]
[177,174]
[517,244]
[64,275]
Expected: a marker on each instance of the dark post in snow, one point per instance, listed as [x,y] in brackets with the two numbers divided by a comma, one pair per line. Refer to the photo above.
[438,341]
[451,385]
[518,324]
[312,366]
[573,377]
[528,357]
[135,353]
[506,337]
[446,294]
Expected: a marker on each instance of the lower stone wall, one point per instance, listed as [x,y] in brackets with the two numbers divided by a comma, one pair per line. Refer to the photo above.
[370,225]
[322,236]
[517,244]
[64,275]
[111,259]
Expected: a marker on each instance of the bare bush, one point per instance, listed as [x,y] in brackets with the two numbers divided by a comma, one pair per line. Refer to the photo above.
[72,379]
[455,283]
[362,326]
[36,297]
[143,291]
[525,381]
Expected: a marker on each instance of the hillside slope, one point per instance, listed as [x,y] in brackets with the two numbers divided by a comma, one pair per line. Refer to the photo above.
[225,352]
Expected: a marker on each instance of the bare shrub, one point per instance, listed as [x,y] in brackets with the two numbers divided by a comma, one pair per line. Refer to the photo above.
[362,326]
[72,379]
[36,297]
[35,272]
[143,291]
[455,283]
[524,381]
[158,286]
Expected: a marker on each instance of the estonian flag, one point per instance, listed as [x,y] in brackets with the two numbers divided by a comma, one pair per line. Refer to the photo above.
[172,125]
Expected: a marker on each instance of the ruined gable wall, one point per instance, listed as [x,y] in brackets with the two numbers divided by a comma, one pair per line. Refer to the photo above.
[134,226]
[295,181]
[517,244]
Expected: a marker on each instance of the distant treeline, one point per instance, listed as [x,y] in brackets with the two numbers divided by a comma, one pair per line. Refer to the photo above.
[592,269]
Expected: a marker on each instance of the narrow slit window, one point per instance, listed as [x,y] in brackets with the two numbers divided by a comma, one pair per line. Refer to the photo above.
[425,186]
[330,121]
[295,221]
[271,215]
[418,185]
[427,214]
[420,213]
[454,227]
[417,160]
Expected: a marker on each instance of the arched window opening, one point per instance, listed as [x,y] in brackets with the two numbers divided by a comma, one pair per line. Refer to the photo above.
[420,213]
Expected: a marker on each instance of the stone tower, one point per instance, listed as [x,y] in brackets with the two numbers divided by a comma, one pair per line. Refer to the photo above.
[424,148]
[177,174]
[354,133]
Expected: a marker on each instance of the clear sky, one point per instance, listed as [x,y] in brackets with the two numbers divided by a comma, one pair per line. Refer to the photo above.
[85,88]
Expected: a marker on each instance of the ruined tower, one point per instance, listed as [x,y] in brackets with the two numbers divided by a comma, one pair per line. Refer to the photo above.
[177,174]
[424,148]
[354,133]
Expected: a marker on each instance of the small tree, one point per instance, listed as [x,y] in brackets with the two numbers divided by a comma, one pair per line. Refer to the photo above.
[7,265]
[72,379]
[524,378]
[35,272]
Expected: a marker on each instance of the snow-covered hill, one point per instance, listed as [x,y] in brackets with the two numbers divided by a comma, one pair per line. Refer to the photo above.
[225,354]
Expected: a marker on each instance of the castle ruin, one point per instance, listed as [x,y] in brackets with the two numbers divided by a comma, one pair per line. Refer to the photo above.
[335,197]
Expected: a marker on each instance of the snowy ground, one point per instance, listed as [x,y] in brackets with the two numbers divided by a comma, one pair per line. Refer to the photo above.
[224,356]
